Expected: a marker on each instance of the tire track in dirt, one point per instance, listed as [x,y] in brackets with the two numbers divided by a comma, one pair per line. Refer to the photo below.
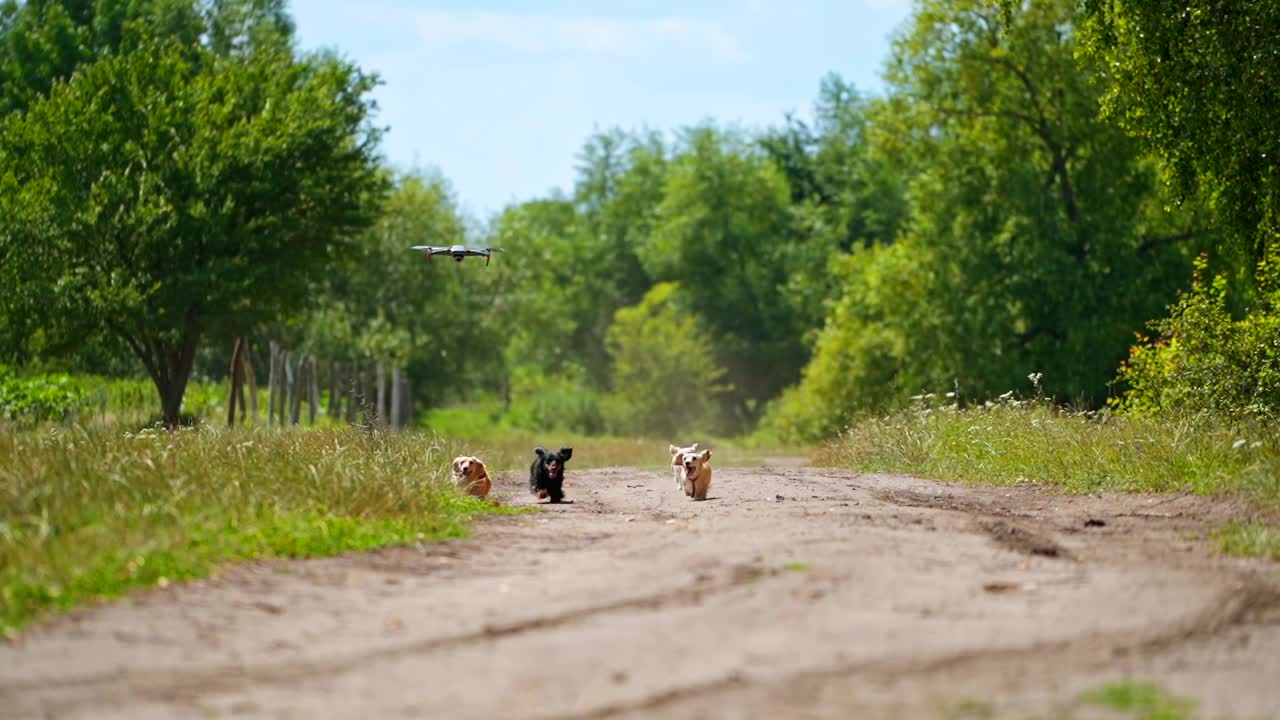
[1253,603]
[160,684]
[792,591]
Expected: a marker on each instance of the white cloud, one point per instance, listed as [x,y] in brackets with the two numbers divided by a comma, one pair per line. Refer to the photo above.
[543,35]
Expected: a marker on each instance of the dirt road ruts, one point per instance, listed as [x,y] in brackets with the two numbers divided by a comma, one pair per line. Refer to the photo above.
[792,592]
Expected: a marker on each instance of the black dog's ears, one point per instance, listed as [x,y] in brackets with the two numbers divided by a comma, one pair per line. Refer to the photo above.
[540,451]
[565,454]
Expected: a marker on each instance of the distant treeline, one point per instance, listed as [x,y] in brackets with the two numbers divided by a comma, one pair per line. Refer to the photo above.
[178,174]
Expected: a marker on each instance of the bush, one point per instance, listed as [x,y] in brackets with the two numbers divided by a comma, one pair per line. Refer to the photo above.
[1205,362]
[40,397]
[665,379]
[560,402]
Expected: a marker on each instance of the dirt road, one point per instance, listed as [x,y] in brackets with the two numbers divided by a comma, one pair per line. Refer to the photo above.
[793,592]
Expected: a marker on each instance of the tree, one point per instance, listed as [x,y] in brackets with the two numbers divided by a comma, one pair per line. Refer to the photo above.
[663,367]
[1036,240]
[724,233]
[435,318]
[1199,83]
[44,41]
[844,194]
[171,191]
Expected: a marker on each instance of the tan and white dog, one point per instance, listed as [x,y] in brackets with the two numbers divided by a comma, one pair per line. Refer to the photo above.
[470,476]
[692,470]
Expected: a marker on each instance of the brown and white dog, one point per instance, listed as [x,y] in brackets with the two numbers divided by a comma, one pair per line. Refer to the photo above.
[470,477]
[692,470]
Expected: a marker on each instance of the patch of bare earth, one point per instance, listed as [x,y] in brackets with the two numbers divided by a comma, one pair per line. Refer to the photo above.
[792,592]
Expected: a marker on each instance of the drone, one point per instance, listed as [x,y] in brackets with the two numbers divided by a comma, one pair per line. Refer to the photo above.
[457,252]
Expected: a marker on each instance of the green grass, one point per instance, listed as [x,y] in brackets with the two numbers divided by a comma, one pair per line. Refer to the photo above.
[1249,540]
[1141,701]
[93,513]
[1016,442]
[1076,452]
[797,567]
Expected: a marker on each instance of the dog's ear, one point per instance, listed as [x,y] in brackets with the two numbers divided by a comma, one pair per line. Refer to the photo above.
[674,450]
[478,465]
[540,451]
[565,454]
[678,459]
[706,455]
[694,447]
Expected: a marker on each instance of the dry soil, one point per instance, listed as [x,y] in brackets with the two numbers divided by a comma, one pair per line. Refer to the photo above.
[793,592]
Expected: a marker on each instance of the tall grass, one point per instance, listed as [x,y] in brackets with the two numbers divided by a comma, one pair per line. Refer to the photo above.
[91,513]
[1010,441]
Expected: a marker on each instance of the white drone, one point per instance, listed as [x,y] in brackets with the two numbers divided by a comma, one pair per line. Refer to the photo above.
[457,252]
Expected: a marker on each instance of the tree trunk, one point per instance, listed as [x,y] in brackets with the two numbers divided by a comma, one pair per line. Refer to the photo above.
[175,373]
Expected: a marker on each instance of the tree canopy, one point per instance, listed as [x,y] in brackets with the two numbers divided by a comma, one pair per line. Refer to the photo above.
[174,189]
[1199,83]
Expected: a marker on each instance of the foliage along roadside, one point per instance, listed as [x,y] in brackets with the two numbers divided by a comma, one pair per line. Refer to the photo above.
[1008,441]
[87,514]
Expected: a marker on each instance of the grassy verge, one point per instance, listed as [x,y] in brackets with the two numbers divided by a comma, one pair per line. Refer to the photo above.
[1010,442]
[93,513]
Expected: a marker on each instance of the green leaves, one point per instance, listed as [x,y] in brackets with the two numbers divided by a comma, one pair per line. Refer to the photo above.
[172,190]
[664,366]
[1036,239]
[1199,84]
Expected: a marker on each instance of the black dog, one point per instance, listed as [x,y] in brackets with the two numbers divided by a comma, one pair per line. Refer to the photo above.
[546,476]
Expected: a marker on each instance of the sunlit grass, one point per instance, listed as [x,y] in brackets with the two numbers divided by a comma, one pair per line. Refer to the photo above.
[1008,443]
[93,513]
[1140,701]
[1249,539]
[1011,442]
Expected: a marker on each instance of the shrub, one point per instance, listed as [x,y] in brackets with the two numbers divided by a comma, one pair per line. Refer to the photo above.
[40,397]
[665,379]
[1205,362]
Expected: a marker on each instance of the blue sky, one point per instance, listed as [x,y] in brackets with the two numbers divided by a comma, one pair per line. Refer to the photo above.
[500,96]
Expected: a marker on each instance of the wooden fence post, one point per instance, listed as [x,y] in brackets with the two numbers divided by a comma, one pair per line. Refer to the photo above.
[352,380]
[380,393]
[313,394]
[397,382]
[273,383]
[236,389]
[297,383]
[247,358]
[335,391]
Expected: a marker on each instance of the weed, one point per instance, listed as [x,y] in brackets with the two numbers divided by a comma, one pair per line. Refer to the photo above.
[1249,539]
[1141,701]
